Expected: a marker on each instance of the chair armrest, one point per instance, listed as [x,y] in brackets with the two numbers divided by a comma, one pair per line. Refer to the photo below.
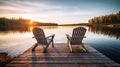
[37,37]
[80,37]
[51,36]
[68,36]
[46,37]
[83,36]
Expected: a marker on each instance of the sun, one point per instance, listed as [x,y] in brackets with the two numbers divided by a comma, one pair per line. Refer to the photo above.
[31,21]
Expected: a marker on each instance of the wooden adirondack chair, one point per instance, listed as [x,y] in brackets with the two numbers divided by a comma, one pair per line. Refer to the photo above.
[77,37]
[41,39]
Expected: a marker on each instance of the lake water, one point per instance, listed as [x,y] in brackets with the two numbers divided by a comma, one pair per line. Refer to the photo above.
[105,40]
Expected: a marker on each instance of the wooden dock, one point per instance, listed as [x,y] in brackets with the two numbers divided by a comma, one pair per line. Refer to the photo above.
[60,56]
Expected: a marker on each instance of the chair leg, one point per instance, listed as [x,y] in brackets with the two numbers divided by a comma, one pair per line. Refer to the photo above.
[70,47]
[44,51]
[83,48]
[46,47]
[34,47]
[52,43]
[68,43]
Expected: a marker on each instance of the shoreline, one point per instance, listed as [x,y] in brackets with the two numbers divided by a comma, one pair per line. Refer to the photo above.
[106,25]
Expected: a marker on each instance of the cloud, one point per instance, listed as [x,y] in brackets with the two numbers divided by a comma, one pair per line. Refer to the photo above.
[26,7]
[54,10]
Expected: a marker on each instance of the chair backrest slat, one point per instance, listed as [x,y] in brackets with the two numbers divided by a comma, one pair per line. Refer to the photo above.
[39,35]
[77,35]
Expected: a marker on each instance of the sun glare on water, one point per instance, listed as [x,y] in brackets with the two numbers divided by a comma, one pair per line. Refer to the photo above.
[31,21]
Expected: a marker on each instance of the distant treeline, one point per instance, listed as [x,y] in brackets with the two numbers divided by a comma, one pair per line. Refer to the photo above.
[107,19]
[20,23]
[74,24]
[43,24]
[13,22]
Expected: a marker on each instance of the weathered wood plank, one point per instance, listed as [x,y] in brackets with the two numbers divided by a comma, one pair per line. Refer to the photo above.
[60,56]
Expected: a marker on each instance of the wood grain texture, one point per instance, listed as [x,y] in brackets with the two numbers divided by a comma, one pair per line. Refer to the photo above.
[60,56]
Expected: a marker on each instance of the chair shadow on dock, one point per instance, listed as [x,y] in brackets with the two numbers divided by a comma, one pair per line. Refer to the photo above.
[46,57]
[34,58]
[53,57]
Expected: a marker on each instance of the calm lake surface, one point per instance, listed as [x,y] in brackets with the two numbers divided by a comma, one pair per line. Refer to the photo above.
[105,40]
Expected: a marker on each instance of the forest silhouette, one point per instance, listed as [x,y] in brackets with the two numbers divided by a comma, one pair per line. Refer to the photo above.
[105,20]
[20,24]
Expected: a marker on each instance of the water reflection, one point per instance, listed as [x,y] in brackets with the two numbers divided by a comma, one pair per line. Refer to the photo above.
[47,27]
[107,41]
[111,32]
[16,30]
[19,28]
[97,37]
[7,30]
[31,28]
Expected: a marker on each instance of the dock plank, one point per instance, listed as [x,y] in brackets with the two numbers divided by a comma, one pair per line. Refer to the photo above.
[60,56]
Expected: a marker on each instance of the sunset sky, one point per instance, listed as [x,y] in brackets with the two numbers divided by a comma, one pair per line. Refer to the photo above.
[58,11]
